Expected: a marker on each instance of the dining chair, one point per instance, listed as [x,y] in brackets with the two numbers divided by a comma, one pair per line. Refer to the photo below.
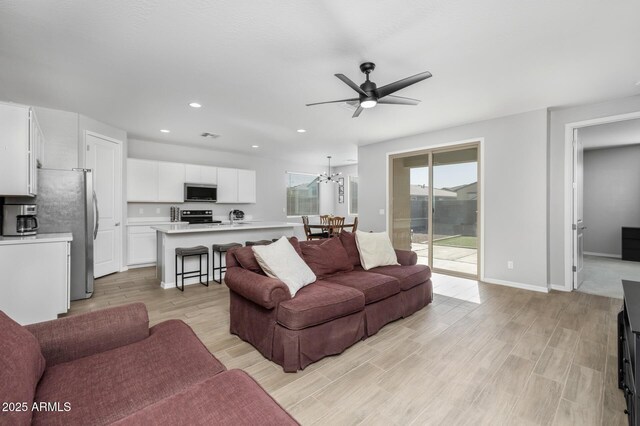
[353,226]
[308,233]
[336,224]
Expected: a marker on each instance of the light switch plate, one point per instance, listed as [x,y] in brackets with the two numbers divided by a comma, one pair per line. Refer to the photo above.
[381,212]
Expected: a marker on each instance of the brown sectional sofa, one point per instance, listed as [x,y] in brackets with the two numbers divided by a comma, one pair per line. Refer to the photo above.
[108,366]
[327,316]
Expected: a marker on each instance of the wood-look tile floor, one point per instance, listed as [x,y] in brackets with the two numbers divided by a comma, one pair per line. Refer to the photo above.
[508,357]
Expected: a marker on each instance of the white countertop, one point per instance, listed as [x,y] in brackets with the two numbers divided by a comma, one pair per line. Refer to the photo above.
[238,226]
[35,239]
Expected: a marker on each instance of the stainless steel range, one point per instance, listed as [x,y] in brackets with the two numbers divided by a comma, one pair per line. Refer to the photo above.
[197,216]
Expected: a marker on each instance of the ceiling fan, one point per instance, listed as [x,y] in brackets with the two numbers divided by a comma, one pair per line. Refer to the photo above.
[371,95]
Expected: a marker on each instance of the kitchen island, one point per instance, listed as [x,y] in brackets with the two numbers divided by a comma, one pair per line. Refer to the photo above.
[182,235]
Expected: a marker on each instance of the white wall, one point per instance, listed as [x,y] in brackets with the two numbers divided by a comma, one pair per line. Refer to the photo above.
[514,191]
[270,176]
[343,209]
[558,172]
[611,197]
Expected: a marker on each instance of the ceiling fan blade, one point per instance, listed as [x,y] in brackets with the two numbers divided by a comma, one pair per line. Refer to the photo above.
[334,102]
[403,97]
[357,112]
[401,84]
[398,101]
[351,84]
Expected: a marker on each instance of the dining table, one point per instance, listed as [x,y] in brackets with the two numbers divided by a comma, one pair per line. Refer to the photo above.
[329,229]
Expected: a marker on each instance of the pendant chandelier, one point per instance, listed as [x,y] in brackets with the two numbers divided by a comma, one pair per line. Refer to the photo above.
[328,176]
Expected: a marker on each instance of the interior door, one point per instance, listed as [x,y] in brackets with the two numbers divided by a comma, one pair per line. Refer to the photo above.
[579,227]
[104,158]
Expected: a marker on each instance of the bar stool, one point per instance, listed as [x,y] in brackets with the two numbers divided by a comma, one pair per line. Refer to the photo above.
[258,243]
[221,248]
[192,251]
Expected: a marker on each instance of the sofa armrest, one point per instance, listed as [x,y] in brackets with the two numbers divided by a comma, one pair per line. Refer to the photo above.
[77,336]
[262,290]
[407,257]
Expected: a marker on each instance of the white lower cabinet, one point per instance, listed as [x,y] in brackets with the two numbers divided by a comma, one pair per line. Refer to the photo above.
[35,280]
[141,245]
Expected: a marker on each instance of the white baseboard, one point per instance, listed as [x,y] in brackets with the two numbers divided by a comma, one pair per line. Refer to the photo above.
[614,256]
[142,265]
[559,287]
[124,269]
[516,285]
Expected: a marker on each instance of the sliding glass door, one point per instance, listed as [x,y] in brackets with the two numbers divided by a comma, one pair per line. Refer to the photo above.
[434,207]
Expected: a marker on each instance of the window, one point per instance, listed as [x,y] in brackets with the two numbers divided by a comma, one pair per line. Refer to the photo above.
[353,195]
[303,194]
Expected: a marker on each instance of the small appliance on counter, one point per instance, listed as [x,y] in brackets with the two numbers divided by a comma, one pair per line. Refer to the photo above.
[197,216]
[19,220]
[236,215]
[175,214]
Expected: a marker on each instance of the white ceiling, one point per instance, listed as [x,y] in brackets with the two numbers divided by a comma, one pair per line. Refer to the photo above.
[254,64]
[610,135]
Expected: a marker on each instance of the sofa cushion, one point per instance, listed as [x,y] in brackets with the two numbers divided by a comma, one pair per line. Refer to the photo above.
[318,303]
[280,260]
[247,258]
[375,249]
[408,275]
[348,240]
[108,386]
[229,398]
[21,364]
[374,286]
[327,258]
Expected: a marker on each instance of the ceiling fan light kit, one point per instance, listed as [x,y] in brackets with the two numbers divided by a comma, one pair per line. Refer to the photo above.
[369,93]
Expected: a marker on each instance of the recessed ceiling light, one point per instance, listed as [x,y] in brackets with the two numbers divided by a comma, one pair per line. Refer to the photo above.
[301,131]
[195,105]
[165,131]
[638,83]
[255,146]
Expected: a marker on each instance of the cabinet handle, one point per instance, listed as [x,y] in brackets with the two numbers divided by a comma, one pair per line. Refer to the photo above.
[626,411]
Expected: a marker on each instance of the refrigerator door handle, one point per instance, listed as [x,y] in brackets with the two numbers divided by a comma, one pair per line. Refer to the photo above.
[97,225]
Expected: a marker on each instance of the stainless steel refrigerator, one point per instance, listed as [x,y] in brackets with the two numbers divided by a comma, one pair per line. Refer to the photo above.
[66,203]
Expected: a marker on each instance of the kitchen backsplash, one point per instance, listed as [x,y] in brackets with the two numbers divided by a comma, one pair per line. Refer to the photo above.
[162,210]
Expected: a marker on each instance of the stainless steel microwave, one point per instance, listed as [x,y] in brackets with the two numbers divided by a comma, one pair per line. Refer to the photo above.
[200,192]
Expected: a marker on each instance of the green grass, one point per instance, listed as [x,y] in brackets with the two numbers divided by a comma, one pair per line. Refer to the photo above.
[458,241]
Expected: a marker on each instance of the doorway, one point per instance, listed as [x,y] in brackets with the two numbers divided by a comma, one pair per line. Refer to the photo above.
[434,207]
[606,206]
[104,158]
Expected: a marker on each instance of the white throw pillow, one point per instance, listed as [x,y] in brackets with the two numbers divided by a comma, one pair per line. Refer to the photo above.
[375,249]
[280,260]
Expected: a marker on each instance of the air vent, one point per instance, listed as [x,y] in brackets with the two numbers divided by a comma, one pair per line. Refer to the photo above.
[349,106]
[209,135]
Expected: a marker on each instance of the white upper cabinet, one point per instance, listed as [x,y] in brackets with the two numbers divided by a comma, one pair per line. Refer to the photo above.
[20,137]
[236,186]
[163,182]
[171,178]
[209,175]
[246,186]
[201,174]
[227,185]
[142,180]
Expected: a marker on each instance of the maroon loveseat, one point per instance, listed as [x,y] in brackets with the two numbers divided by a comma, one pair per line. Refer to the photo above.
[109,367]
[345,305]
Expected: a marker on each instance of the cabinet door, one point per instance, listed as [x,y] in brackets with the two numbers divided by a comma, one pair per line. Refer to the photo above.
[14,150]
[193,173]
[209,175]
[171,182]
[227,185]
[142,180]
[142,248]
[246,186]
